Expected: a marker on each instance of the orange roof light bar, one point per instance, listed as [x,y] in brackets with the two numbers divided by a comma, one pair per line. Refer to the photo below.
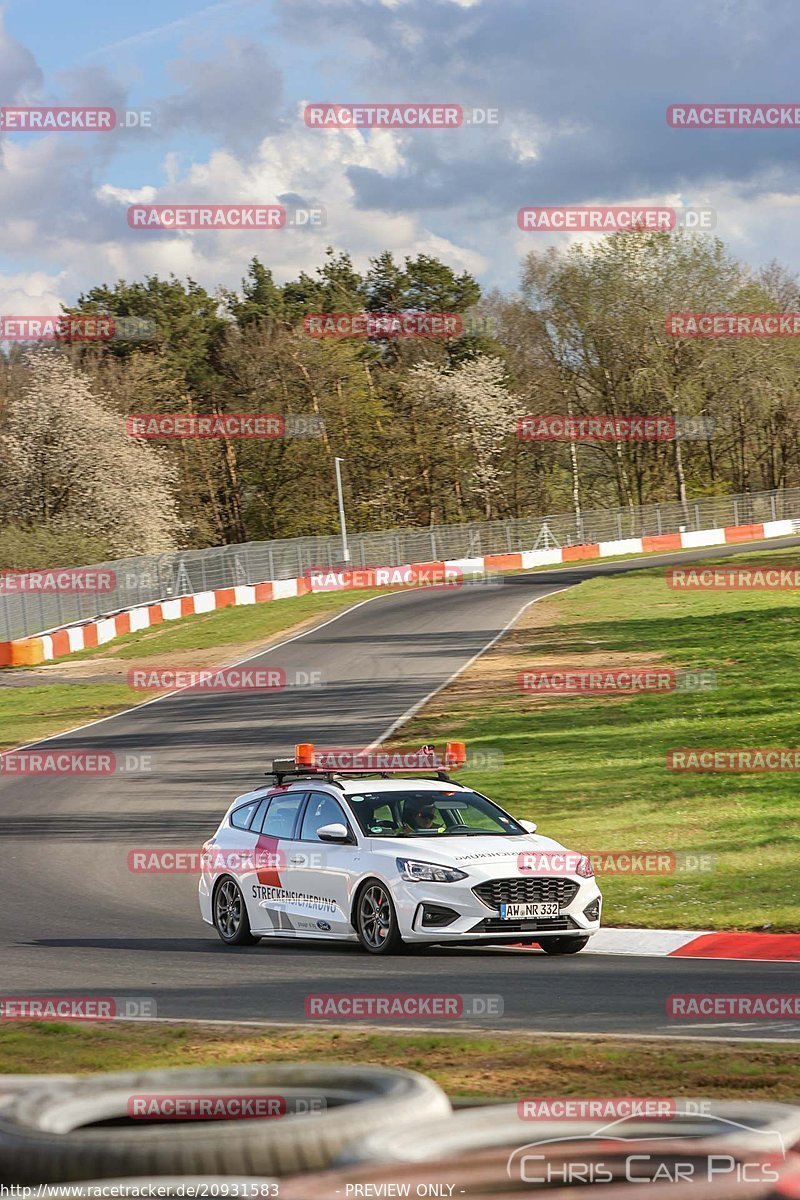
[375,762]
[455,754]
[304,754]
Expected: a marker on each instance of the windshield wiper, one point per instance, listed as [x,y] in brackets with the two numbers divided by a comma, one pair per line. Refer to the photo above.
[477,833]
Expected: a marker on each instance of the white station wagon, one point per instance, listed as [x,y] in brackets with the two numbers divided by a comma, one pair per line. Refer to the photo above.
[349,854]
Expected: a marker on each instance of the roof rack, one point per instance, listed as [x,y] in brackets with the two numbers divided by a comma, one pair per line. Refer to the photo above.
[304,765]
[278,776]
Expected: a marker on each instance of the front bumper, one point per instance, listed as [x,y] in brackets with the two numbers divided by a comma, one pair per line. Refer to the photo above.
[444,912]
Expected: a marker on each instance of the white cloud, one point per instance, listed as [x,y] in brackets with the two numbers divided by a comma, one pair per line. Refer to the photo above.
[583,121]
[34,294]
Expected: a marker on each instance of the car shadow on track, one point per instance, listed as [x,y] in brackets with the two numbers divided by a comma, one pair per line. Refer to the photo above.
[212,945]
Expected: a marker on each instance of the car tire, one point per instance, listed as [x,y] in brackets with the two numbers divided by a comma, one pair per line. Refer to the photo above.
[229,911]
[63,1132]
[563,945]
[376,920]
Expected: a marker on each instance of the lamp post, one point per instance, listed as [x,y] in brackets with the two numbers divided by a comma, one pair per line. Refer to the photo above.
[342,522]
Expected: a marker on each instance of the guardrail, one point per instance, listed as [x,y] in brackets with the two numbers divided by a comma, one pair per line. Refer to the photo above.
[148,579]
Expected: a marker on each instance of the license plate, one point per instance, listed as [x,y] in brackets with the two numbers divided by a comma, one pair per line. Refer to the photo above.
[529,912]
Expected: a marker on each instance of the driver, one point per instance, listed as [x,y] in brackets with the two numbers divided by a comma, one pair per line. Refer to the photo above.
[419,814]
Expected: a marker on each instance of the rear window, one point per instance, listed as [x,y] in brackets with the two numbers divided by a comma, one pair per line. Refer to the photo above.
[281,815]
[242,816]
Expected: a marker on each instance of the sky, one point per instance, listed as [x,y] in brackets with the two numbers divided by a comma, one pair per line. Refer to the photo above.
[582,88]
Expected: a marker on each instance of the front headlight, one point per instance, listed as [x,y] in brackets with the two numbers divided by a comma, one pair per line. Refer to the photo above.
[425,872]
[585,867]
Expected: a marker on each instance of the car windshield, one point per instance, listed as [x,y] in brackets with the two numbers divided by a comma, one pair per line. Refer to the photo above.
[430,814]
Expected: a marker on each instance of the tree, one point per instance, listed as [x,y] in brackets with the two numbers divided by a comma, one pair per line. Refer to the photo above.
[261,299]
[474,401]
[71,465]
[605,306]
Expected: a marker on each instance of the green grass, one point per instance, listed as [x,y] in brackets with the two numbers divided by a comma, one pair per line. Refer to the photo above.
[30,713]
[592,770]
[497,1065]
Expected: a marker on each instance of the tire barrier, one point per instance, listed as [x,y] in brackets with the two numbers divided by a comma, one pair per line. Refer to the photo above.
[376,1131]
[54,1133]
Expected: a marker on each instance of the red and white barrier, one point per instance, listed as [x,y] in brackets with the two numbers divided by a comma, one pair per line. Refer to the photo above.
[682,943]
[58,642]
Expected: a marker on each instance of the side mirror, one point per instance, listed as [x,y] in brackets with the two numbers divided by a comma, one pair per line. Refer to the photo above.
[333,833]
[529,826]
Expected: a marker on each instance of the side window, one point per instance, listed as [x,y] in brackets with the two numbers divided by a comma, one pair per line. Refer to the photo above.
[241,817]
[322,810]
[281,814]
[258,819]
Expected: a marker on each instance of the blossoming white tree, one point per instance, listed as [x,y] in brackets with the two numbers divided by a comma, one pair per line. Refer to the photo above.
[482,414]
[68,463]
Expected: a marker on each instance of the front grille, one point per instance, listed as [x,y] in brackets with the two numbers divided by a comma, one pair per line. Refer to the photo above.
[526,891]
[544,925]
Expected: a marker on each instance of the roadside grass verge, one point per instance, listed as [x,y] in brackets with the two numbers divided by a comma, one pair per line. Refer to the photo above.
[508,1066]
[592,770]
[30,713]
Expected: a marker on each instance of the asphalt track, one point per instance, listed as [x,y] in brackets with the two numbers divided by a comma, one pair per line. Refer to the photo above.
[75,921]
